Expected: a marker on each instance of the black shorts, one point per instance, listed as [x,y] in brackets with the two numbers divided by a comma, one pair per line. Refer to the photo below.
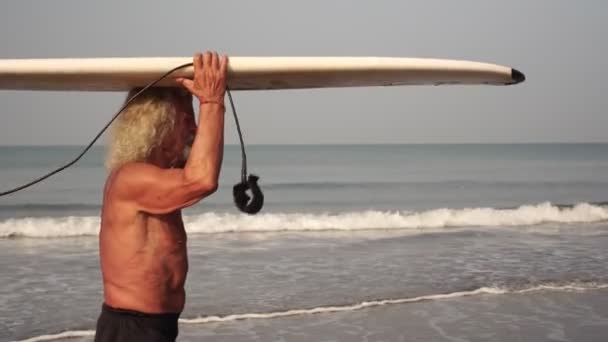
[118,325]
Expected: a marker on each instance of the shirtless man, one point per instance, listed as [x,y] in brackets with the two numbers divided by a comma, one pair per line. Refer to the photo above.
[142,241]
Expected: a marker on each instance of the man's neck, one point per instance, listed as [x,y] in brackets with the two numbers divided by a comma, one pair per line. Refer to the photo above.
[157,158]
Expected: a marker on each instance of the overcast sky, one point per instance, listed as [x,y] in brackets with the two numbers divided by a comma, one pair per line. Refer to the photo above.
[559,45]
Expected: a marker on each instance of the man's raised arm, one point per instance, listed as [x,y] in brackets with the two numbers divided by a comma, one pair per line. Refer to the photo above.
[158,191]
[209,86]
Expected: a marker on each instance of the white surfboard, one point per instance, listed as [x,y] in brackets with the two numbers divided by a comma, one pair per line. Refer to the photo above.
[250,73]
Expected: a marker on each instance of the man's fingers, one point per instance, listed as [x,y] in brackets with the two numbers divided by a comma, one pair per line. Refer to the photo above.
[224,64]
[215,61]
[207,59]
[198,63]
[186,83]
[182,81]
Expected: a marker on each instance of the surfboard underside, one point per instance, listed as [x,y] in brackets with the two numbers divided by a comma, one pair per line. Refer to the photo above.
[250,73]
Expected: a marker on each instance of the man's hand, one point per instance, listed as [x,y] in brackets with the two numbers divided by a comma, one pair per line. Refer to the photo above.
[209,84]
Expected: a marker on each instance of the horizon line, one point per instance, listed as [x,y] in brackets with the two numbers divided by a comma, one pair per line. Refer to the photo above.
[355,144]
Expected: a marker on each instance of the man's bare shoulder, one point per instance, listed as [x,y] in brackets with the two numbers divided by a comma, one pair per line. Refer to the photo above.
[120,183]
[132,183]
[118,207]
[128,178]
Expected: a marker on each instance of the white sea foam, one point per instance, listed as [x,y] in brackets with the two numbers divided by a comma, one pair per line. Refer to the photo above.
[572,287]
[63,335]
[526,215]
[329,309]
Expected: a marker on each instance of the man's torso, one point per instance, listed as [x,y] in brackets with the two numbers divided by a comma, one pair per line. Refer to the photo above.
[143,257]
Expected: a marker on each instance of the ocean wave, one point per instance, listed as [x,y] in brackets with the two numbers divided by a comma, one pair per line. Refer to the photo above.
[570,287]
[527,215]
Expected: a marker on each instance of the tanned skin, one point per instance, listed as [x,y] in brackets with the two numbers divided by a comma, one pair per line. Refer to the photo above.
[142,241]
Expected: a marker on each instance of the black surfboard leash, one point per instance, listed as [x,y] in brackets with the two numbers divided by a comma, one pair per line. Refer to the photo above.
[247,204]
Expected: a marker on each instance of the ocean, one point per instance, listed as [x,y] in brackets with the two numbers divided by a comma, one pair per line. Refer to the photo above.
[471,242]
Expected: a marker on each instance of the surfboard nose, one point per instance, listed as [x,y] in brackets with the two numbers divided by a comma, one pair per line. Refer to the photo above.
[517,76]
